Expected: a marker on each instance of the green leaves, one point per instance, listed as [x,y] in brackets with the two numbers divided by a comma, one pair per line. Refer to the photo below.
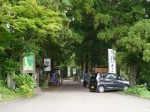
[139,90]
[25,85]
[105,19]
[61,28]
[1,49]
[38,20]
[138,39]
[27,26]
[114,33]
[31,21]
[146,52]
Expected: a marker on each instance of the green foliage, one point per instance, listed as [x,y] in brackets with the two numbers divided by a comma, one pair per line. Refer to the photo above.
[144,74]
[102,19]
[137,41]
[25,84]
[2,83]
[134,48]
[7,66]
[11,65]
[80,9]
[28,25]
[139,90]
[66,30]
[114,33]
[42,79]
[6,94]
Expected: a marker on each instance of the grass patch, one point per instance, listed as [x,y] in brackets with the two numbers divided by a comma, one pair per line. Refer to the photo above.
[6,93]
[139,90]
[25,87]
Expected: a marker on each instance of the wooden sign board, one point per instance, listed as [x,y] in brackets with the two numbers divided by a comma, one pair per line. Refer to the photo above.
[102,70]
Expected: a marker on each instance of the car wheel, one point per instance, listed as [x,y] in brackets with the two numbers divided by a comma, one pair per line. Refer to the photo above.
[92,90]
[125,87]
[101,89]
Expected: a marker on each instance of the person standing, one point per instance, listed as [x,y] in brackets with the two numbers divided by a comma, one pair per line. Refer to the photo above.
[85,79]
[98,77]
[54,78]
[58,77]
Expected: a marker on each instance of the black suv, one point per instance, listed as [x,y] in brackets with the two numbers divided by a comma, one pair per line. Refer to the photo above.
[110,81]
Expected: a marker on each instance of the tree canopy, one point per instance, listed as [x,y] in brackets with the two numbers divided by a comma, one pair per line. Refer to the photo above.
[77,30]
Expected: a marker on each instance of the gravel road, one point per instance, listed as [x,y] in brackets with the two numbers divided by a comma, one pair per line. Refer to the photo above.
[72,97]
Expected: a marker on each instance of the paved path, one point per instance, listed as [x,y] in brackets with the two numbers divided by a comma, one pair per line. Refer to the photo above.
[71,97]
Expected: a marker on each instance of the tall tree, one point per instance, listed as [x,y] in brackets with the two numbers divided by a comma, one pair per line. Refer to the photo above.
[25,25]
[136,47]
[119,17]
[102,23]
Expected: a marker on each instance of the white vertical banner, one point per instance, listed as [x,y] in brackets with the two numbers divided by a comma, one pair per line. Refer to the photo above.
[111,61]
[47,63]
[74,71]
[68,71]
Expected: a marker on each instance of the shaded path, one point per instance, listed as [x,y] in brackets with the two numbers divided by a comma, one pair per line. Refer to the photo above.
[71,97]
[70,86]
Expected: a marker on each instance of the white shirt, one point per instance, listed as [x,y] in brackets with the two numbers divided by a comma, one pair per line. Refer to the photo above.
[98,77]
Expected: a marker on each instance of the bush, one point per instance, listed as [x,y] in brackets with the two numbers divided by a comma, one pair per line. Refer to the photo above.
[139,90]
[42,79]
[143,74]
[2,83]
[6,93]
[25,85]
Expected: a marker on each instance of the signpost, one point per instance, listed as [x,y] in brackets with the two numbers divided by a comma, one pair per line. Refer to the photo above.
[47,63]
[68,71]
[111,61]
[74,71]
[28,63]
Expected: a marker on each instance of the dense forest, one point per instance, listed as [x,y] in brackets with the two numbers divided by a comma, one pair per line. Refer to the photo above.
[78,33]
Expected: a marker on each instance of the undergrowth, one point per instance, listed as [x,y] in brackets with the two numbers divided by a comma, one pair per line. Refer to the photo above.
[139,90]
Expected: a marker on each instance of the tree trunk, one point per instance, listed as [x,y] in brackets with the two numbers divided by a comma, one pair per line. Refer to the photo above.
[133,73]
[84,63]
[87,64]
[118,70]
[10,81]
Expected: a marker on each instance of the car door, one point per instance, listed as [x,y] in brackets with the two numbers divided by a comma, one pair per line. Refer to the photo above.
[109,82]
[119,83]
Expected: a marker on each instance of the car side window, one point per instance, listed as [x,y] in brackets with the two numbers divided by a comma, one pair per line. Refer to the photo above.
[120,78]
[110,76]
[114,76]
[107,77]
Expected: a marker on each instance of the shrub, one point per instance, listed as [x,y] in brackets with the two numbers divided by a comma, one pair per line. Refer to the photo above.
[143,74]
[6,93]
[2,83]
[139,90]
[25,84]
